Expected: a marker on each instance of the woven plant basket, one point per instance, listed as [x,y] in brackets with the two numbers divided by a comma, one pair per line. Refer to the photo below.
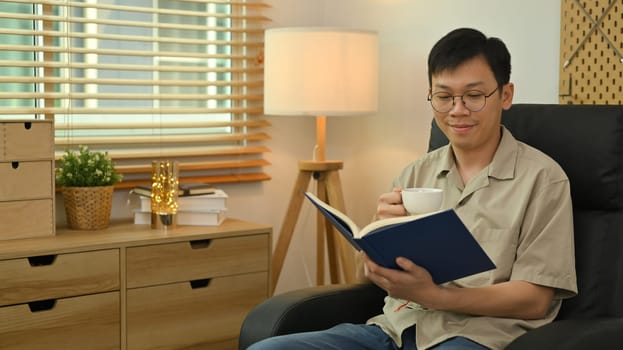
[88,208]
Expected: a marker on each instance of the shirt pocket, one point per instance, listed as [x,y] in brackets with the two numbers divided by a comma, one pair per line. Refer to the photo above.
[501,247]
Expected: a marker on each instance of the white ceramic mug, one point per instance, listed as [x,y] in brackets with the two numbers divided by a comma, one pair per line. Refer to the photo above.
[421,200]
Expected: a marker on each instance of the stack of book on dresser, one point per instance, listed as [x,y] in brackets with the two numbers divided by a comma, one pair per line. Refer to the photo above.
[198,205]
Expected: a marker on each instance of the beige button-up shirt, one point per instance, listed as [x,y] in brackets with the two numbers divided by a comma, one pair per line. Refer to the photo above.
[519,209]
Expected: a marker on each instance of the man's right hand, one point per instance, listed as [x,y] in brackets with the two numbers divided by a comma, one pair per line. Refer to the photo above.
[390,205]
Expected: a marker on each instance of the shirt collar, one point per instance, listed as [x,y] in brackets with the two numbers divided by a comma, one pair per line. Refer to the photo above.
[505,159]
[501,167]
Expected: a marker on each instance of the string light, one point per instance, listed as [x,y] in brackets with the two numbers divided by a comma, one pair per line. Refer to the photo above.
[164,188]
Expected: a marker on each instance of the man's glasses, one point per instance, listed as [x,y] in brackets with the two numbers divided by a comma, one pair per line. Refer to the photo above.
[473,100]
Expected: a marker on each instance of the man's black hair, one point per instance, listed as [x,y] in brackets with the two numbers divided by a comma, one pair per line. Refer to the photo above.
[463,44]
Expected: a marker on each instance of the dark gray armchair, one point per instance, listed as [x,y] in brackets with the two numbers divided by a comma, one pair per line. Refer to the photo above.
[587,141]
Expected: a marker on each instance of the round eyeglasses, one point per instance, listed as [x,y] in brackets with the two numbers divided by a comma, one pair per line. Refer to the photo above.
[474,100]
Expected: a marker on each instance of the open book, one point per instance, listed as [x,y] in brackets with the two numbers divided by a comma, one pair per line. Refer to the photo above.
[438,241]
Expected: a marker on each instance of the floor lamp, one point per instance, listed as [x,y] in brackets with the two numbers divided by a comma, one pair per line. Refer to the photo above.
[319,71]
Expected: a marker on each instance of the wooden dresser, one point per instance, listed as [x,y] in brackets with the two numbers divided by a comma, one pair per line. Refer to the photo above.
[131,287]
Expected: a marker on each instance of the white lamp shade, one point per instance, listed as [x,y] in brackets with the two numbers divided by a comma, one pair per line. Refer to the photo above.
[320,71]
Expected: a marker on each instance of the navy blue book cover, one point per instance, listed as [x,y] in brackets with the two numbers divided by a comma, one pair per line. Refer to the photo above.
[439,242]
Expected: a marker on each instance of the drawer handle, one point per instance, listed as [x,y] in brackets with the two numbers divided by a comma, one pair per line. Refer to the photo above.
[27,125]
[42,305]
[43,260]
[15,165]
[200,243]
[200,283]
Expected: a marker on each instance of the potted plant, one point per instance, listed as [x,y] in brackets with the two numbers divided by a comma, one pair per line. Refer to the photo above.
[87,178]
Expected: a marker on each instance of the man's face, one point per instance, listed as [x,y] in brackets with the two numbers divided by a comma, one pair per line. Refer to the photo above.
[472,131]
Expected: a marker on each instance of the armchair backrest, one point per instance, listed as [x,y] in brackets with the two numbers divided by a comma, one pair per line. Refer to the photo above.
[587,141]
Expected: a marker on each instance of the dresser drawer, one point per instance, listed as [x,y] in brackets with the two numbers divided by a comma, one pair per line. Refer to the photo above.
[185,261]
[28,140]
[25,219]
[26,180]
[57,276]
[207,316]
[69,323]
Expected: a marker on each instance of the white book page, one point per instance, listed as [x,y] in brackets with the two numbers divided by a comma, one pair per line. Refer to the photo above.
[385,222]
[348,221]
[392,221]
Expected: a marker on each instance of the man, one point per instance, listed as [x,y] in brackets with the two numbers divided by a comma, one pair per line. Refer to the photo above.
[514,199]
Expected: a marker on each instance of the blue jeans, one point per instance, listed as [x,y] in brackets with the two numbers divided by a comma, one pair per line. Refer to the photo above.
[348,336]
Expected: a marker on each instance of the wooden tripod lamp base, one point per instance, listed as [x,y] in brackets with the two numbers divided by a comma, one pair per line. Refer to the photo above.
[329,189]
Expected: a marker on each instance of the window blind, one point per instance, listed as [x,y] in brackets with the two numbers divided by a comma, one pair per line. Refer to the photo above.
[142,80]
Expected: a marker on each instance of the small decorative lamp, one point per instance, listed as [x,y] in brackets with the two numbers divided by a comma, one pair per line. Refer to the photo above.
[319,71]
[164,193]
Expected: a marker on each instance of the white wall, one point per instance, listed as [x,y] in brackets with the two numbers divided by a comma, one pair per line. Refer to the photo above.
[375,148]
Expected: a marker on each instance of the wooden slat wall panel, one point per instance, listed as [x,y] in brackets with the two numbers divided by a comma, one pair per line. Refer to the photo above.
[591,61]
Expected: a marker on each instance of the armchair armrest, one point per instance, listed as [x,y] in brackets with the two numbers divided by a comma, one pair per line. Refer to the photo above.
[573,334]
[311,309]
